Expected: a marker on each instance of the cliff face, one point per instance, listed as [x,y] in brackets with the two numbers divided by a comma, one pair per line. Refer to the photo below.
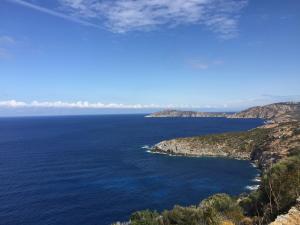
[278,112]
[178,113]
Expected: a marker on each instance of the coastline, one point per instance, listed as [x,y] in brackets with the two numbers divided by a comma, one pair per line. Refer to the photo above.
[196,156]
[274,148]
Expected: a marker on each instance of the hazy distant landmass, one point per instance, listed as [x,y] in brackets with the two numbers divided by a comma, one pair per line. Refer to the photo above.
[280,112]
[179,113]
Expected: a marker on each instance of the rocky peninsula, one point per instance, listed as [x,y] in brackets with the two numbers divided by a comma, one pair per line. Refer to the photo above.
[264,145]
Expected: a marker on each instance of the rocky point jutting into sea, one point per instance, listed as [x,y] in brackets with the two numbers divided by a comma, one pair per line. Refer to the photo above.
[274,147]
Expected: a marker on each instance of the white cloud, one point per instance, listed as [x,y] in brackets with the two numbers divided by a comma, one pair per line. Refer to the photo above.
[12,104]
[78,105]
[220,16]
[97,105]
[119,16]
[238,104]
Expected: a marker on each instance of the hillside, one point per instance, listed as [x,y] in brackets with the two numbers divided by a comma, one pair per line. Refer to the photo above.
[278,112]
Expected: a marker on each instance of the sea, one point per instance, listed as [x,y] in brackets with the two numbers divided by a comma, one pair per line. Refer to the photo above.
[95,170]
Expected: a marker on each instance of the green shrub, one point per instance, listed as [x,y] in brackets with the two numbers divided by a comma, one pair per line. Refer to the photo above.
[279,190]
[226,207]
[281,184]
[145,217]
[184,215]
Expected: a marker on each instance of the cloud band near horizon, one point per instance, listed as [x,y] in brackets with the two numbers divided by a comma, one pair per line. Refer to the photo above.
[83,105]
[241,104]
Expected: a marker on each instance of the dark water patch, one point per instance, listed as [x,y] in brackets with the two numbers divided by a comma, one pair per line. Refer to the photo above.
[92,169]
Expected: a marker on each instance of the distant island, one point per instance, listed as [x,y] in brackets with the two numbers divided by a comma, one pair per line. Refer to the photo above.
[273,147]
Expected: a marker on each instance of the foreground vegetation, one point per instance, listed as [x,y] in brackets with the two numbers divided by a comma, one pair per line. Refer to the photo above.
[278,192]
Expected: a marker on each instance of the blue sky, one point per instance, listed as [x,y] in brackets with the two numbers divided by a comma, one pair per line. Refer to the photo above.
[78,56]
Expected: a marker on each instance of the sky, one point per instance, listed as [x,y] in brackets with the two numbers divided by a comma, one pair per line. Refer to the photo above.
[114,56]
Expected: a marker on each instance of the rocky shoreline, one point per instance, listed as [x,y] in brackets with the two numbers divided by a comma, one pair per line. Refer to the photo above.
[174,147]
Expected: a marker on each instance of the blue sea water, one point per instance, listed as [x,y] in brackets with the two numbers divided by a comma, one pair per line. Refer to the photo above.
[92,170]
